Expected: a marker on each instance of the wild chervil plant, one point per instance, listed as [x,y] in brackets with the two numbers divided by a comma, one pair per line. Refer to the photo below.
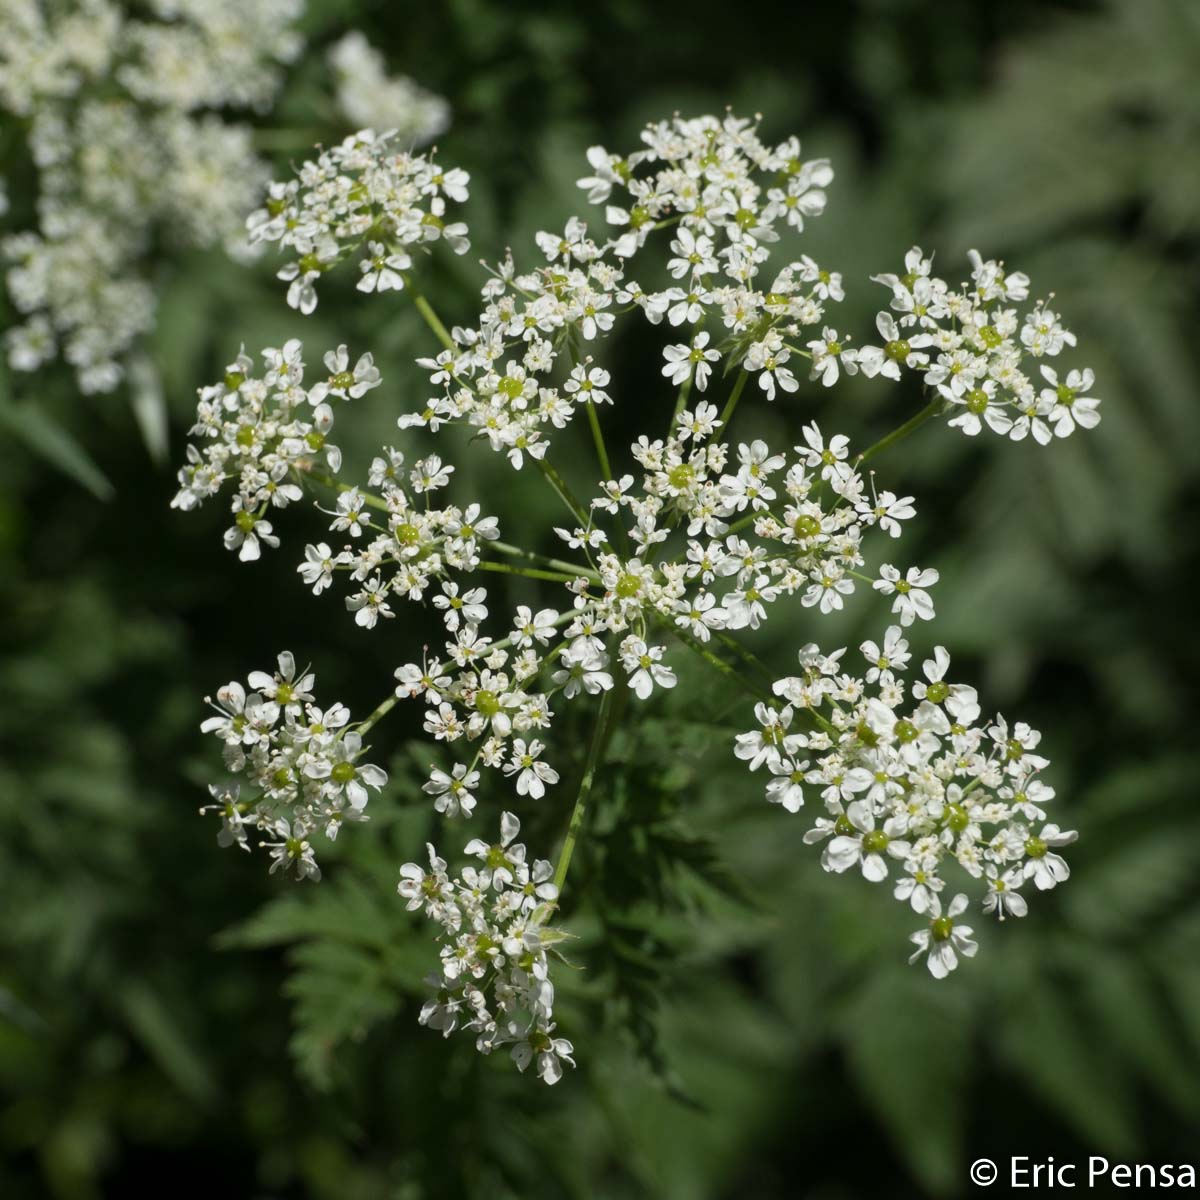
[702,541]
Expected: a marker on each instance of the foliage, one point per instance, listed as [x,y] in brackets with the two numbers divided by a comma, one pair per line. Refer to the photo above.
[158,1006]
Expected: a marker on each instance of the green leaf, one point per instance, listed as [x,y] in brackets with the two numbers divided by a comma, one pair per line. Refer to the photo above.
[1063,1061]
[1137,1022]
[1147,875]
[50,441]
[907,1041]
[340,991]
[1183,980]
[351,963]
[149,406]
[152,1022]
[346,910]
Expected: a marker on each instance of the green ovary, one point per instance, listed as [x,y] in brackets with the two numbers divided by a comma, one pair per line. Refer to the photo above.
[875,842]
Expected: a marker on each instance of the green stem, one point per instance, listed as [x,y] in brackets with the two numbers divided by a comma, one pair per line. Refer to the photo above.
[752,516]
[528,572]
[431,318]
[743,522]
[684,392]
[564,492]
[382,711]
[574,570]
[601,449]
[750,659]
[930,410]
[369,498]
[579,812]
[557,564]
[598,438]
[714,661]
[734,397]
[562,619]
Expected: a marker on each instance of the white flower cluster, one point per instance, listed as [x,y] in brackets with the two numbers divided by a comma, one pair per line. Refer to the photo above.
[487,693]
[265,432]
[125,153]
[494,980]
[368,96]
[362,195]
[691,547]
[302,761]
[726,192]
[805,518]
[972,346]
[909,778]
[400,550]
[690,574]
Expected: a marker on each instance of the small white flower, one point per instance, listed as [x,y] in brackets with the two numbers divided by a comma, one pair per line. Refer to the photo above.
[453,793]
[944,939]
[1043,867]
[912,601]
[532,774]
[827,353]
[644,666]
[1069,407]
[770,359]
[381,271]
[682,358]
[550,1052]
[1003,898]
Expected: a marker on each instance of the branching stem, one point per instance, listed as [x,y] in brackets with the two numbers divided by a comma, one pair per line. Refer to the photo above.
[579,812]
[930,410]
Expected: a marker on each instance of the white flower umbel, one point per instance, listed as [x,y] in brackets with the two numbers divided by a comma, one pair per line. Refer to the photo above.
[696,536]
[494,980]
[370,190]
[910,786]
[976,349]
[266,432]
[301,763]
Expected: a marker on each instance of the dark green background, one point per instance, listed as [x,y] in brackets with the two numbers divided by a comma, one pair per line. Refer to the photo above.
[171,1018]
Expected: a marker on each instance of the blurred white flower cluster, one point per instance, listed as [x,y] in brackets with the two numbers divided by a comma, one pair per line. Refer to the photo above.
[704,535]
[129,148]
[368,96]
[127,112]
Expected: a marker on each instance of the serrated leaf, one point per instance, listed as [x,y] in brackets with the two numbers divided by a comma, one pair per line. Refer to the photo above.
[346,909]
[907,1042]
[1137,1022]
[1064,1062]
[339,991]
